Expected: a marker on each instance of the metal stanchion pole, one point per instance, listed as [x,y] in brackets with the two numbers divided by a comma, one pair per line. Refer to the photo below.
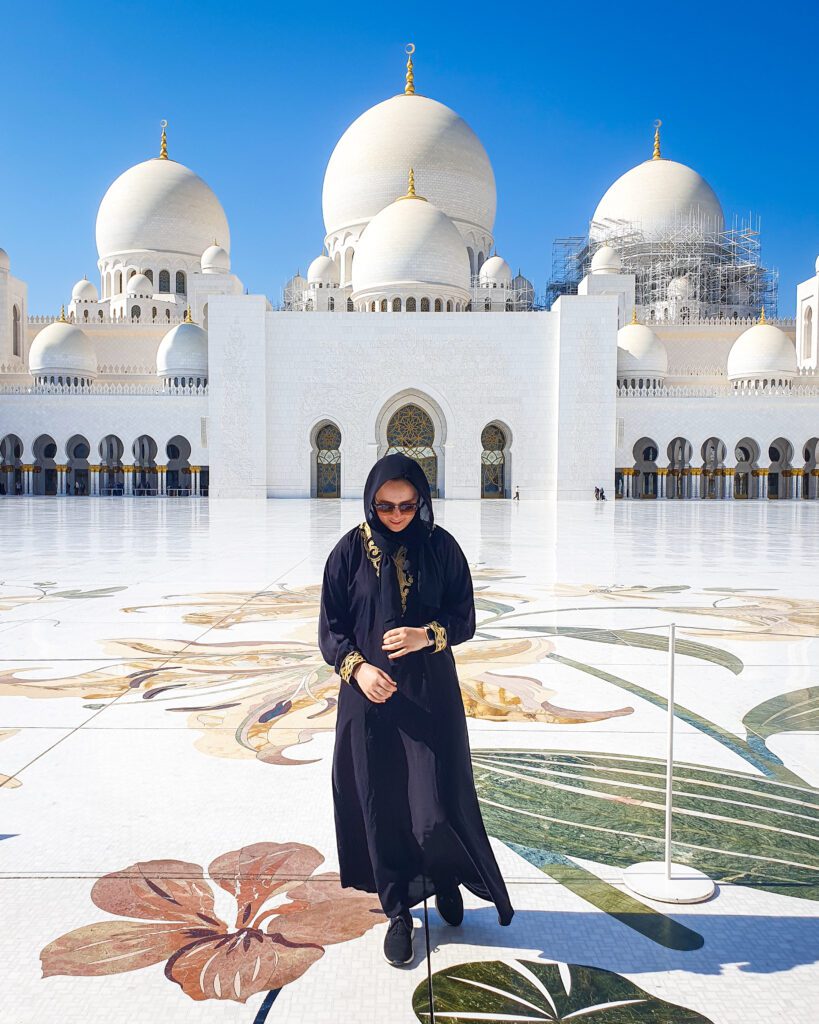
[663,880]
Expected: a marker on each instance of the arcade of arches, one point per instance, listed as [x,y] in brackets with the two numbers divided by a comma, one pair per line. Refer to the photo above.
[778,471]
[411,431]
[74,471]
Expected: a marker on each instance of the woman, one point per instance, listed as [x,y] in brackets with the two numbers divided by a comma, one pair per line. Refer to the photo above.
[396,596]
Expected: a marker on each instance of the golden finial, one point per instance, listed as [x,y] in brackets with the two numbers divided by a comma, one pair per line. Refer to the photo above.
[634,319]
[188,317]
[657,126]
[409,88]
[762,319]
[62,319]
[163,145]
[411,193]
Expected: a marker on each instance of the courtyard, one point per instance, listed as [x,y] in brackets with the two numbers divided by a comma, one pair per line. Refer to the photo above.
[166,732]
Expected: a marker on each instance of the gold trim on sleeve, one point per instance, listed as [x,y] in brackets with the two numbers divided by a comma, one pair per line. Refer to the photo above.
[440,636]
[349,663]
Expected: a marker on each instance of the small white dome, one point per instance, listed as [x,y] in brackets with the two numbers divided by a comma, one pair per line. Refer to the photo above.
[84,291]
[183,352]
[159,206]
[322,271]
[5,262]
[679,288]
[62,348]
[215,260]
[368,167]
[762,352]
[411,246]
[816,264]
[139,284]
[655,197]
[606,261]
[640,352]
[495,272]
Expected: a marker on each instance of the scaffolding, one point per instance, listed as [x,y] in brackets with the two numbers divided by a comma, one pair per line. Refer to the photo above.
[686,273]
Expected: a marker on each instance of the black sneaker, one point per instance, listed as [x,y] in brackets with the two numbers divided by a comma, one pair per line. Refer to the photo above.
[398,941]
[450,906]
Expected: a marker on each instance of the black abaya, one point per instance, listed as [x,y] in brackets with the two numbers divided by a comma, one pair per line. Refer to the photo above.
[407,817]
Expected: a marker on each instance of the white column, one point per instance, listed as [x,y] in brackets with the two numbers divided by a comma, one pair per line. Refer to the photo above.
[729,484]
[160,476]
[195,481]
[797,483]
[27,479]
[128,481]
[94,480]
[763,485]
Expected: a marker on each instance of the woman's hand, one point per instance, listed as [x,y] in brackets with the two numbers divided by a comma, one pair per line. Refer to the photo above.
[374,683]
[398,642]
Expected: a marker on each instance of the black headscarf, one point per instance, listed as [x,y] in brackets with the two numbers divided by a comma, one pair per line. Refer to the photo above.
[421,562]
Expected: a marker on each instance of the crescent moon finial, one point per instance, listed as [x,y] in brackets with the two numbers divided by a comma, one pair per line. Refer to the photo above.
[409,88]
[656,154]
[163,142]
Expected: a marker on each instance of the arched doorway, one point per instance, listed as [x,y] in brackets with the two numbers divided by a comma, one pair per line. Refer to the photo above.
[112,477]
[780,452]
[328,461]
[678,480]
[145,474]
[77,451]
[11,463]
[644,480]
[809,473]
[493,462]
[746,478]
[178,471]
[713,463]
[410,430]
[44,480]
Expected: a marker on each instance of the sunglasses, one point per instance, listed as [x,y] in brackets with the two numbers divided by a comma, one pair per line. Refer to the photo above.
[403,507]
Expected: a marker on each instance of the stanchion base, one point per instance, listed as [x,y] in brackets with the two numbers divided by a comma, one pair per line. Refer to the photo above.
[686,884]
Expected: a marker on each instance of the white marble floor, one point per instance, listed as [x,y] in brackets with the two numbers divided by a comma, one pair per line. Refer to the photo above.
[166,730]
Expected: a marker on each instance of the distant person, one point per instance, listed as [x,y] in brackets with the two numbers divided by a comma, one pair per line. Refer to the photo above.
[517,494]
[597,494]
[602,494]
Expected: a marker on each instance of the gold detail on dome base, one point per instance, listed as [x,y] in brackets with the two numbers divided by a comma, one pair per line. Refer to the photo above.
[762,319]
[348,665]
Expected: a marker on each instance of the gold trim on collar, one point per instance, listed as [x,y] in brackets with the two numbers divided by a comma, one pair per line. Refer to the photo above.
[371,549]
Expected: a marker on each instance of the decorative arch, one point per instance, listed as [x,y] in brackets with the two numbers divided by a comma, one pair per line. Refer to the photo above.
[496,474]
[413,423]
[77,450]
[112,475]
[645,453]
[746,471]
[678,478]
[780,454]
[178,469]
[181,283]
[325,445]
[810,453]
[11,465]
[44,476]
[164,281]
[713,452]
[146,477]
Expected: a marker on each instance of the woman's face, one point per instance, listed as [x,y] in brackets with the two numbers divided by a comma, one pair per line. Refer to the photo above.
[396,491]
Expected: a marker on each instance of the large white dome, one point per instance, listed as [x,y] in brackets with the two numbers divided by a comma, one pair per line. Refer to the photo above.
[411,247]
[368,167]
[655,197]
[160,206]
[763,352]
[64,349]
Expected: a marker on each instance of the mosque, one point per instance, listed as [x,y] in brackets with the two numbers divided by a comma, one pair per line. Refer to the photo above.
[654,365]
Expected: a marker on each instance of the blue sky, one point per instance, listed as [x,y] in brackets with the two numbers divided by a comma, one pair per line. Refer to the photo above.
[563,97]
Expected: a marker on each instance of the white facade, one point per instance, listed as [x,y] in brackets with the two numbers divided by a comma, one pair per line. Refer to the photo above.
[408,333]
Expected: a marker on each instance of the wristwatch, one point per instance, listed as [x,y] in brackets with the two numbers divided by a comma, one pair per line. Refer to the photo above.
[430,634]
